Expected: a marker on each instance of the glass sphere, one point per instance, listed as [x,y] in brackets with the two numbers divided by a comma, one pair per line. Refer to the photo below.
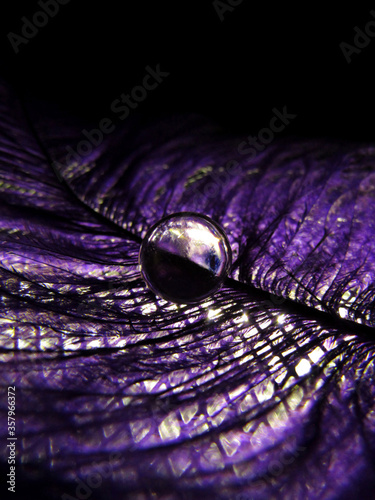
[185,257]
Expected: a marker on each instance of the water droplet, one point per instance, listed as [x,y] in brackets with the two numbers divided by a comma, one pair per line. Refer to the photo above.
[185,257]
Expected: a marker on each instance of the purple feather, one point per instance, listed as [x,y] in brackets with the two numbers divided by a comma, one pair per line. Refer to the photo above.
[265,390]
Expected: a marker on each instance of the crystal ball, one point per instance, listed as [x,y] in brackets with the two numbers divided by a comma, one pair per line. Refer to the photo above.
[185,257]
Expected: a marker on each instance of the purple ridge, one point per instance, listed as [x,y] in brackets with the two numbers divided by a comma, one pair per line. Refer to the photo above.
[246,395]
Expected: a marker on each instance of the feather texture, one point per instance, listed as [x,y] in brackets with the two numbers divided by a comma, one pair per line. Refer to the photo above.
[250,394]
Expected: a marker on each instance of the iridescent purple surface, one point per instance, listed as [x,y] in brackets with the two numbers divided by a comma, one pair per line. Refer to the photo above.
[246,393]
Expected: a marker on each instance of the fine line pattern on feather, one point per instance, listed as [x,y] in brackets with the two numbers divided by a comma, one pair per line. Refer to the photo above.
[239,394]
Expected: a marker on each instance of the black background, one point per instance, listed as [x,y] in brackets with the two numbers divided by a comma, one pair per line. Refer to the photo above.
[236,71]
